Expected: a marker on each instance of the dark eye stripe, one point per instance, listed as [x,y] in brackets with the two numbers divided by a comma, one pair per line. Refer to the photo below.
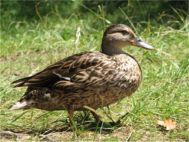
[124,32]
[120,31]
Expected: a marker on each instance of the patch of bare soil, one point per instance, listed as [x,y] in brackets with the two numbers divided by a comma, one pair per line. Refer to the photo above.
[121,134]
[8,136]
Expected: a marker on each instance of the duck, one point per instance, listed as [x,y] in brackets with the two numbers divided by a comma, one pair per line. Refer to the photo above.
[86,81]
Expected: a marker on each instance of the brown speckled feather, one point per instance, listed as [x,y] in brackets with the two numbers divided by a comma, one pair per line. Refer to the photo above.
[63,70]
[89,72]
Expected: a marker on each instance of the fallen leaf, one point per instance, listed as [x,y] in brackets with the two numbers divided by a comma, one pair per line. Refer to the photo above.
[169,124]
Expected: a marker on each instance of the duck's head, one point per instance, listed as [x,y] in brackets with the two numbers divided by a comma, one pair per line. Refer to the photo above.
[117,36]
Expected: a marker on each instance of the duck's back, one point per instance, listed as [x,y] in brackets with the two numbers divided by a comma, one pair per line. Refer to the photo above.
[88,79]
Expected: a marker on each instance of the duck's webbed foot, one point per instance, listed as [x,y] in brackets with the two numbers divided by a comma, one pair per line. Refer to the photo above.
[98,117]
[121,118]
[113,122]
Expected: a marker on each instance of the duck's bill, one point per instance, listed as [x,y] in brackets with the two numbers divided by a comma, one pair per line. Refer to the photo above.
[143,44]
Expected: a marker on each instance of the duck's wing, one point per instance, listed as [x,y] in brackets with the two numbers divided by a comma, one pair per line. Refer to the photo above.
[64,70]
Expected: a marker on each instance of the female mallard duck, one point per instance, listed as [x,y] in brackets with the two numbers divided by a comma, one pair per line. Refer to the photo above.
[86,81]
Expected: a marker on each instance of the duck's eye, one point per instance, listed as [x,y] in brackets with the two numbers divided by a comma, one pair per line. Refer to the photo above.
[124,32]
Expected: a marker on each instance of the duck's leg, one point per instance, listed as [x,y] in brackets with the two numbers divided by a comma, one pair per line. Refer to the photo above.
[72,123]
[94,113]
[70,115]
[97,117]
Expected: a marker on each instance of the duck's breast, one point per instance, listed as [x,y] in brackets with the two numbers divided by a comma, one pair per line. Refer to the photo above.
[130,70]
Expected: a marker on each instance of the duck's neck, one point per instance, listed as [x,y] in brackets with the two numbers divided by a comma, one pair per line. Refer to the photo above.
[111,48]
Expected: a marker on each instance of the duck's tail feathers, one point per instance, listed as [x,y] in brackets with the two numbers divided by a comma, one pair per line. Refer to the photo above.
[20,82]
[21,105]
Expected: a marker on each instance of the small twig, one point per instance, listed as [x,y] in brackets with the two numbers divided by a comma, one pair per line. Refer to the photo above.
[47,132]
[129,137]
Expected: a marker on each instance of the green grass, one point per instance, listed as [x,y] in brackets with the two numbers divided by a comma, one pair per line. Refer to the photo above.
[29,46]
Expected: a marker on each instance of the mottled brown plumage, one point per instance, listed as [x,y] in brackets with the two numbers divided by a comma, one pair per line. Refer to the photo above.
[86,81]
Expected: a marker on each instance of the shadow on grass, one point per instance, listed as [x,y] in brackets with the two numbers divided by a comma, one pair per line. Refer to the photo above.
[83,123]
